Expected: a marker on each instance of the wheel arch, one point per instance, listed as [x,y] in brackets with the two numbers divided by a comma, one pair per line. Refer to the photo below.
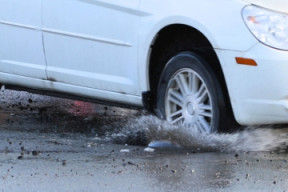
[175,38]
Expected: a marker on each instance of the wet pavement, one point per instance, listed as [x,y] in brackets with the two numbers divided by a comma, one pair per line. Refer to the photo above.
[53,144]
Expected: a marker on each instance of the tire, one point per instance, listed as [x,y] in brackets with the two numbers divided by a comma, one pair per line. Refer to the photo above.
[190,94]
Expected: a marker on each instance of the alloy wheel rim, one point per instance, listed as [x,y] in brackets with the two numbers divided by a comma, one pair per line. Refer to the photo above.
[188,101]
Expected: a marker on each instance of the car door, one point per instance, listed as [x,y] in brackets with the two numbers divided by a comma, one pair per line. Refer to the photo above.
[21,45]
[92,43]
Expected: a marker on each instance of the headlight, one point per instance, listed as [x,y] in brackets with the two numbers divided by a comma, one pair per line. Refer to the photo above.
[270,28]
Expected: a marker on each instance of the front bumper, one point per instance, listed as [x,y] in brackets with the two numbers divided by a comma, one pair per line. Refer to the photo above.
[258,94]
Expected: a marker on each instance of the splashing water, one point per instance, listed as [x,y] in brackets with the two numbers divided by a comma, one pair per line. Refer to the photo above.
[148,129]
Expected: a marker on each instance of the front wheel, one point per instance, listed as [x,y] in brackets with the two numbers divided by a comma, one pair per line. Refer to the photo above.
[189,94]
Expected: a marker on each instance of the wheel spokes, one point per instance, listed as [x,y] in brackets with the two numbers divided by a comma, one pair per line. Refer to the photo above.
[205,110]
[193,82]
[182,84]
[202,94]
[203,125]
[178,120]
[175,115]
[188,101]
[175,97]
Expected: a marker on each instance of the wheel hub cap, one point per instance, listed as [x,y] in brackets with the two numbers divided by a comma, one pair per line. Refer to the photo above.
[191,108]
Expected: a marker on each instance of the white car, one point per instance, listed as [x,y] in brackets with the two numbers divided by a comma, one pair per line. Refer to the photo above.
[202,64]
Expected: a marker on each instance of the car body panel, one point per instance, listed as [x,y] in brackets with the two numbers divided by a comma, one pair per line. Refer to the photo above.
[75,28]
[21,50]
[277,5]
[185,12]
[258,94]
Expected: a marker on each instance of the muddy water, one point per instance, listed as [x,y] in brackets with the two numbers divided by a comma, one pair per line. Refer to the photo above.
[159,133]
[123,126]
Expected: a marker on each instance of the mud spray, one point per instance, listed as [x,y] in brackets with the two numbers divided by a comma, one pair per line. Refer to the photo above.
[149,130]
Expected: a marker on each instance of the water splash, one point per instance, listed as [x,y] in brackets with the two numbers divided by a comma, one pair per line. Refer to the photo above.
[149,129]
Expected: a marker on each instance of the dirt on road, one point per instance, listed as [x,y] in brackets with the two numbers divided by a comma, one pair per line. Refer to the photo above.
[52,144]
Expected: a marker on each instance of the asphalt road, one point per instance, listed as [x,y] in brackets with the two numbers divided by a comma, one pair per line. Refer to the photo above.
[52,144]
